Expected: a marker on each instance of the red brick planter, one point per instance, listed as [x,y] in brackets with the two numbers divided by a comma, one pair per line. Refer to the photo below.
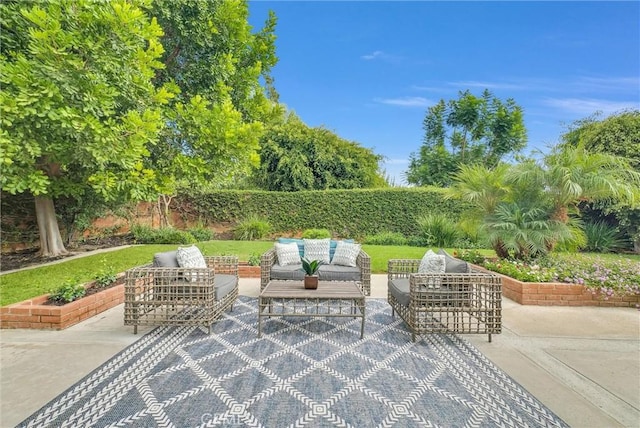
[559,294]
[35,314]
[246,271]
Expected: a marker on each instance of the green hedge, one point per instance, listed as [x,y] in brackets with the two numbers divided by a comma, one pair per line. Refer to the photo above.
[347,213]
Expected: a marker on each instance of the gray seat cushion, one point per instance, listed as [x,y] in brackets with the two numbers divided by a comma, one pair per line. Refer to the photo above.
[339,273]
[399,288]
[223,284]
[287,273]
[453,265]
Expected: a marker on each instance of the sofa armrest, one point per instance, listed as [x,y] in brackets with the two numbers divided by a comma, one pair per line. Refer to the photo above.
[267,260]
[363,261]
[401,268]
[227,265]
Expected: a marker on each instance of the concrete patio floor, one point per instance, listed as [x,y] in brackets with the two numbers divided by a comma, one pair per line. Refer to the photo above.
[581,362]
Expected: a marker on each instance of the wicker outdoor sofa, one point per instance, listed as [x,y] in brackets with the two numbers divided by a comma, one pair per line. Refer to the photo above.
[160,295]
[454,302]
[272,270]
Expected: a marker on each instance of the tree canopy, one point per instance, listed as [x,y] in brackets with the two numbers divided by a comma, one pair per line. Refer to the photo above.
[469,130]
[297,157]
[79,108]
[92,104]
[216,62]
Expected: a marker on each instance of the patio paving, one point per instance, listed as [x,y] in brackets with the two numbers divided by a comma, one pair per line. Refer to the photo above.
[583,362]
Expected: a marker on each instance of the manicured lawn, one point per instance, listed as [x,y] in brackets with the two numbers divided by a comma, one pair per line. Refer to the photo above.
[19,286]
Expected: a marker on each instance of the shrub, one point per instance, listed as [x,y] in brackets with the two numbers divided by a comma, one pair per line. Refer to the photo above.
[251,229]
[254,259]
[164,235]
[602,238]
[105,276]
[418,241]
[70,291]
[316,234]
[386,238]
[471,256]
[201,233]
[438,230]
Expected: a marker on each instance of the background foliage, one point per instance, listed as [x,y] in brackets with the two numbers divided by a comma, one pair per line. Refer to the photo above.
[346,213]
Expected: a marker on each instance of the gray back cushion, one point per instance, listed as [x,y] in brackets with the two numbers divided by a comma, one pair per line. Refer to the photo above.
[166,259]
[453,265]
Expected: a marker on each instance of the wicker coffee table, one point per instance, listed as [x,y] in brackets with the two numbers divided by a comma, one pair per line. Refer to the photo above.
[330,299]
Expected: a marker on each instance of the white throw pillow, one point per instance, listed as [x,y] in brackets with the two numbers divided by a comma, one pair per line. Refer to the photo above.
[432,263]
[346,254]
[288,254]
[317,249]
[191,257]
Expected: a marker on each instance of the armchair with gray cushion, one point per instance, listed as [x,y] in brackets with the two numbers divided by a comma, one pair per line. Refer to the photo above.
[460,300]
[163,293]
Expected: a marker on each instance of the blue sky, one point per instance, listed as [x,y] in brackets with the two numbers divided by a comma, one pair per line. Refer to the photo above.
[368,70]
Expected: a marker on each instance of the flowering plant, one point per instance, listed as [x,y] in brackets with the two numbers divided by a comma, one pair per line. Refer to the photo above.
[609,277]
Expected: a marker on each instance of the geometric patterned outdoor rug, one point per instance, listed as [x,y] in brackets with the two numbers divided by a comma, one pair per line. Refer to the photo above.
[311,372]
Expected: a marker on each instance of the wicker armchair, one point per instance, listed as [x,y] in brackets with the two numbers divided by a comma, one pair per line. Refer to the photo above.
[445,303]
[363,263]
[180,296]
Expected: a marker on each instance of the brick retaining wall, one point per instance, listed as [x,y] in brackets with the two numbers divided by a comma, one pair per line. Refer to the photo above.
[35,314]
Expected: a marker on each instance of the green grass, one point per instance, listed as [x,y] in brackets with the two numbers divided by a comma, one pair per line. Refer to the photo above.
[19,286]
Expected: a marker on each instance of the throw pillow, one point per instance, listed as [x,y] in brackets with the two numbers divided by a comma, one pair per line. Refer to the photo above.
[453,265]
[288,254]
[300,243]
[346,254]
[317,249]
[191,257]
[432,263]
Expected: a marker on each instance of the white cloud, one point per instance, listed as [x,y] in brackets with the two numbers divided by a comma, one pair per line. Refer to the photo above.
[406,101]
[487,85]
[373,55]
[396,161]
[588,106]
[622,84]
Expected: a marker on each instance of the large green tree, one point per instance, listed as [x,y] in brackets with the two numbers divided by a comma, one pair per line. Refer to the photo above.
[216,63]
[618,134]
[79,108]
[469,130]
[295,157]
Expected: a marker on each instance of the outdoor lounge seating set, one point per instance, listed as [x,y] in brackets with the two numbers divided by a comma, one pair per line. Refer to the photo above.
[437,293]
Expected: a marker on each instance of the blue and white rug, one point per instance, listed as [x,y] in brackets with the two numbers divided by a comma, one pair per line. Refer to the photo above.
[313,372]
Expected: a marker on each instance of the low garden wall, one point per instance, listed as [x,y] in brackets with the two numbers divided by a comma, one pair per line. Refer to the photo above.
[34,314]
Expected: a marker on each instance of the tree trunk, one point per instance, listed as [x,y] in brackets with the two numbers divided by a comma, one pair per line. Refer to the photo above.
[51,244]
[636,245]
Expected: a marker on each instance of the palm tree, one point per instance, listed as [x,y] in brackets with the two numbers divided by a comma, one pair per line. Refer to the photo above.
[523,232]
[528,208]
[570,175]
